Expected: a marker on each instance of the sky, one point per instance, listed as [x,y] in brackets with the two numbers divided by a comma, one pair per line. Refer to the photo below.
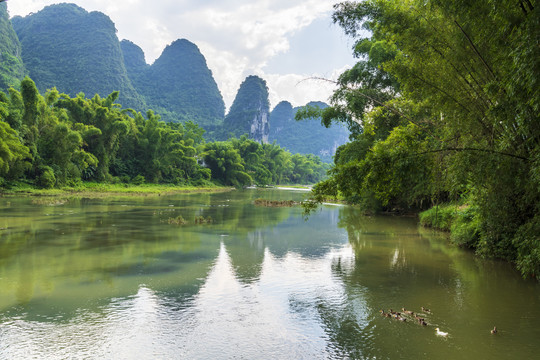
[285,42]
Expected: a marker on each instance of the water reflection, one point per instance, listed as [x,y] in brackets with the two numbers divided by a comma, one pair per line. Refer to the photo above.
[112,279]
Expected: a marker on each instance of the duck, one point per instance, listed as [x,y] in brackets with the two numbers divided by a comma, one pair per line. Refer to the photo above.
[425,310]
[407,311]
[494,330]
[441,333]
[422,322]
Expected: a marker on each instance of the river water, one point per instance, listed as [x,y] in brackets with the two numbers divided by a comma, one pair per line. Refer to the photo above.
[113,279]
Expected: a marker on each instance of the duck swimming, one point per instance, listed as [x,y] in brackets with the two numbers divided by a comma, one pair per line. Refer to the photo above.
[494,331]
[407,311]
[425,310]
[441,333]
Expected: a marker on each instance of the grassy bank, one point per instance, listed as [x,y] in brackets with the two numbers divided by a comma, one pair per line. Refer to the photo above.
[92,189]
[461,221]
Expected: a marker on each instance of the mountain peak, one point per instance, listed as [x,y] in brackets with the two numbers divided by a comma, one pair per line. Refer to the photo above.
[181,83]
[66,47]
[249,112]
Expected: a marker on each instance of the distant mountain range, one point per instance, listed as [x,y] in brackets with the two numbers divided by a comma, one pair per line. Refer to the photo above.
[67,47]
[306,136]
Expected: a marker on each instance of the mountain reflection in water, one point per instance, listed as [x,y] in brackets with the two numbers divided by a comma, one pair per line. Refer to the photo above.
[112,279]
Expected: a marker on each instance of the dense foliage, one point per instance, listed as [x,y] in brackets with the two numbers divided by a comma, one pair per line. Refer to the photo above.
[179,85]
[305,137]
[250,111]
[241,162]
[11,65]
[65,46]
[444,106]
[57,140]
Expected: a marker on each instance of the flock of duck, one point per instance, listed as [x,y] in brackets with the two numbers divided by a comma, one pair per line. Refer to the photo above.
[406,315]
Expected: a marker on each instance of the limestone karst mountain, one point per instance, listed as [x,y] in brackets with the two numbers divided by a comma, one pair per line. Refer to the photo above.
[178,85]
[67,47]
[249,113]
[11,64]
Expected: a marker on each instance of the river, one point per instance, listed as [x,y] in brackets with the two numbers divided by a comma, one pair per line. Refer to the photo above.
[114,279]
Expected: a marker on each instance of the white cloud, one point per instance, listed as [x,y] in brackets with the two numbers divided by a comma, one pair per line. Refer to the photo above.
[237,37]
[300,89]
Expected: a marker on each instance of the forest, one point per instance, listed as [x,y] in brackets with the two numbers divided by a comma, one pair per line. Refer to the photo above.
[55,140]
[444,106]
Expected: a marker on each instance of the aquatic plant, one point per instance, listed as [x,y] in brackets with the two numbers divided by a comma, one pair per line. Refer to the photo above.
[179,220]
[275,203]
[203,220]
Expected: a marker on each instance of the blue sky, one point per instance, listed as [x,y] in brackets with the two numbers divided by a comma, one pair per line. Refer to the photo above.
[283,41]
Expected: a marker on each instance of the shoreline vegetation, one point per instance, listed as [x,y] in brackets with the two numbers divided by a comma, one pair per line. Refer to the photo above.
[442,121]
[97,190]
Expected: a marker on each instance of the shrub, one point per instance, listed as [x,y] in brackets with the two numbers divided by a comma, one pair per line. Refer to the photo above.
[439,217]
[138,180]
[465,228]
[527,241]
[46,178]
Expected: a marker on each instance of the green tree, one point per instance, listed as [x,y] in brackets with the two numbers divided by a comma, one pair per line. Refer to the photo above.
[226,164]
[444,105]
[11,151]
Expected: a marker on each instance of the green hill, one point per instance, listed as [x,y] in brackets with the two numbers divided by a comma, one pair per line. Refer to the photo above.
[77,51]
[249,112]
[11,65]
[307,136]
[133,57]
[179,85]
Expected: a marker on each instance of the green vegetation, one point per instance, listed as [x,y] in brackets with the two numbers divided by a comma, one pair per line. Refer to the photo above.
[462,222]
[275,203]
[305,137]
[56,141]
[179,85]
[11,65]
[443,106]
[89,189]
[242,162]
[203,220]
[179,220]
[249,112]
[66,47]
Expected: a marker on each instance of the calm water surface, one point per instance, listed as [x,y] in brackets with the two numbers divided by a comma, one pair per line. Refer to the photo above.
[112,279]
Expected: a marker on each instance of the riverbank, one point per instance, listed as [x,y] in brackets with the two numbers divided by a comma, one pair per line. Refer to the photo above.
[97,190]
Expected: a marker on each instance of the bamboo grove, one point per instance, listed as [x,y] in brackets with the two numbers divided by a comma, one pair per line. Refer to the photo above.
[55,140]
[444,108]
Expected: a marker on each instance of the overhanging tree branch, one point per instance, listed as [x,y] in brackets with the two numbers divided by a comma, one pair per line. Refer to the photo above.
[392,109]
[476,149]
[476,51]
